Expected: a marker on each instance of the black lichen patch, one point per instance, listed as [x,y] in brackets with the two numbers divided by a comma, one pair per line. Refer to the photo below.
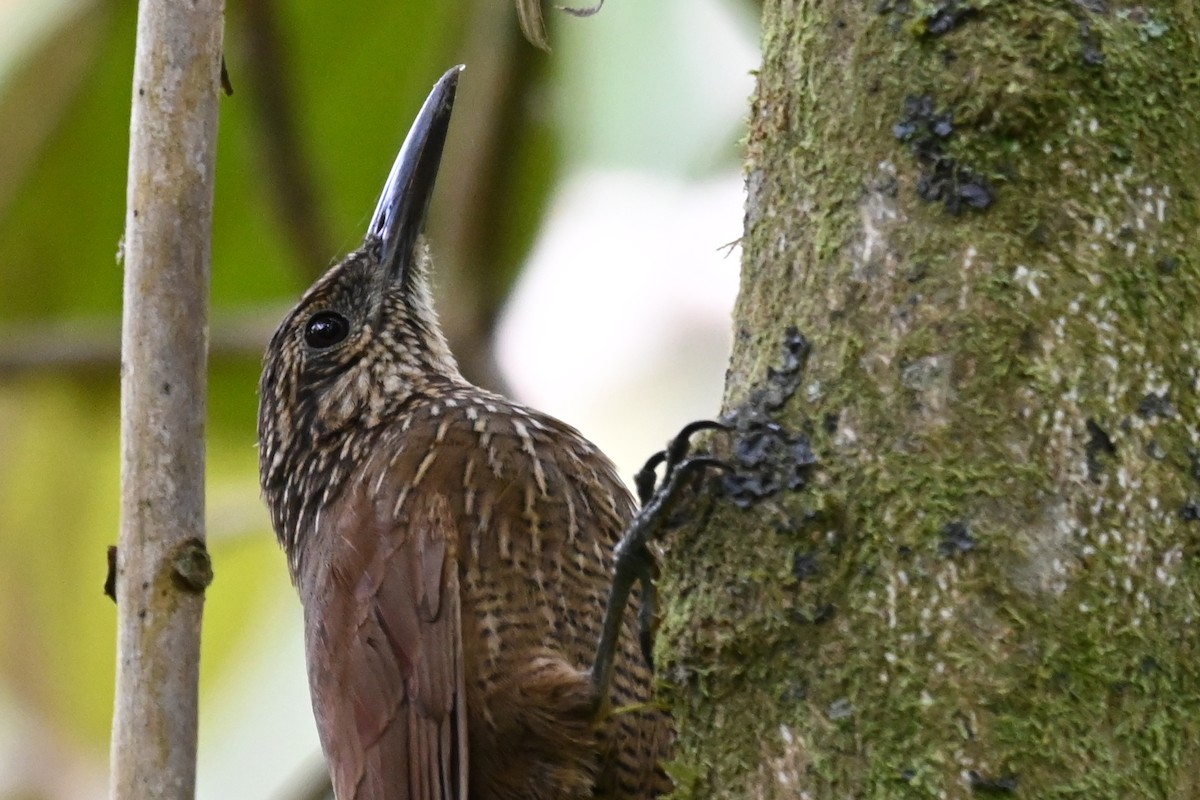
[1091,46]
[1155,405]
[897,8]
[931,20]
[1100,445]
[784,380]
[805,566]
[992,786]
[1091,50]
[944,17]
[823,613]
[1190,511]
[815,615]
[766,457]
[927,131]
[922,122]
[956,540]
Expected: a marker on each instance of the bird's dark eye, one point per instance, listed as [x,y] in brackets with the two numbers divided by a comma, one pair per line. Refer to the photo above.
[325,329]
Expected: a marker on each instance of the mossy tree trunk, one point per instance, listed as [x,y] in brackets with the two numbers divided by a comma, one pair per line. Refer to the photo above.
[983,217]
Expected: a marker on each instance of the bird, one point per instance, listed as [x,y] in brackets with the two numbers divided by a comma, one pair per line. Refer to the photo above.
[453,550]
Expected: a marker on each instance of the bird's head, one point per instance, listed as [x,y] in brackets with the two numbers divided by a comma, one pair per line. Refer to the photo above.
[364,338]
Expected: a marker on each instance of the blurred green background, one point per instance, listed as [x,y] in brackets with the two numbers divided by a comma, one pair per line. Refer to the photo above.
[578,233]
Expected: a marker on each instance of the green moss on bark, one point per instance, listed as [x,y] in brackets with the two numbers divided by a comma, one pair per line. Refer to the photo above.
[991,583]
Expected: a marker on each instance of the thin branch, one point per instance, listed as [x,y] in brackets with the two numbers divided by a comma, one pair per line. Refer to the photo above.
[162,566]
[289,169]
[83,345]
[478,184]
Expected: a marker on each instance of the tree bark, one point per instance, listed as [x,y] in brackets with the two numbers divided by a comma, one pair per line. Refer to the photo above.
[162,565]
[982,216]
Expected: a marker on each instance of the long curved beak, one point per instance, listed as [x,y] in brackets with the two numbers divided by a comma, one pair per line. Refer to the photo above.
[400,216]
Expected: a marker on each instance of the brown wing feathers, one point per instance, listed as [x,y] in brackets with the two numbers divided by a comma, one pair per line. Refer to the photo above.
[533,555]
[402,665]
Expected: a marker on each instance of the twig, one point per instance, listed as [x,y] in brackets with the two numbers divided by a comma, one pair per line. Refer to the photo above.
[162,566]
[81,345]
